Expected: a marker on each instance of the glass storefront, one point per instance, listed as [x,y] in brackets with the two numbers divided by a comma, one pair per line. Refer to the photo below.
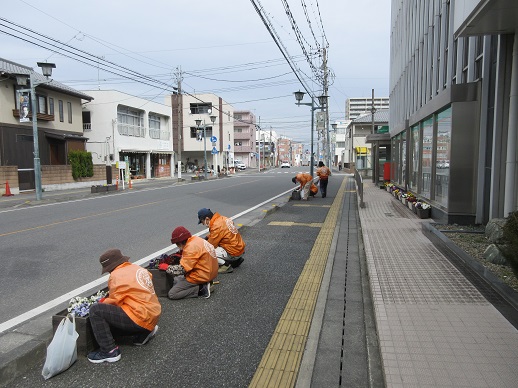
[137,163]
[402,162]
[415,147]
[442,152]
[427,157]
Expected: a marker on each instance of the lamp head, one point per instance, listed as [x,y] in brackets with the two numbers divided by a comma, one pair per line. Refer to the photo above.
[198,122]
[334,125]
[322,100]
[299,96]
[46,68]
[213,119]
[21,79]
[209,110]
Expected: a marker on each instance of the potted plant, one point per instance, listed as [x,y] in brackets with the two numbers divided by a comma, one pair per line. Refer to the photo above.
[423,209]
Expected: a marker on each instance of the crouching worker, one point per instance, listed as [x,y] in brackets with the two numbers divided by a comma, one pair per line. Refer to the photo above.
[131,307]
[225,238]
[198,266]
[305,181]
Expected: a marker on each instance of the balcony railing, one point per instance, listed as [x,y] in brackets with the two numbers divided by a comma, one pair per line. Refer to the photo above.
[87,127]
[131,130]
[159,134]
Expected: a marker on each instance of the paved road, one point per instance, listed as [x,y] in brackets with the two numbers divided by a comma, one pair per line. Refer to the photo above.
[50,249]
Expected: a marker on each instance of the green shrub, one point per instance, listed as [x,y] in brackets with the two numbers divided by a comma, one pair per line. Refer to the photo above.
[510,248]
[82,164]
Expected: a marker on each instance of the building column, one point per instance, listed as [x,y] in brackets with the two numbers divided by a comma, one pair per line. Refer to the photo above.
[148,165]
[511,160]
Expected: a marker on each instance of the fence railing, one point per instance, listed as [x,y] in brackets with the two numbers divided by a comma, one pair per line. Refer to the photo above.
[359,187]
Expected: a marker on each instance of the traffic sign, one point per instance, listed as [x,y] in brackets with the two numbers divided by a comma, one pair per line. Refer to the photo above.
[213,139]
[214,151]
[228,147]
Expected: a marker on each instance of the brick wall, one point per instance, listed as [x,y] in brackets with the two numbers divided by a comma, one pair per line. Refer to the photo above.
[9,174]
[55,175]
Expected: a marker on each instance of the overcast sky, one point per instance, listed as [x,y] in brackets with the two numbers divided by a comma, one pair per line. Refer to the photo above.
[222,47]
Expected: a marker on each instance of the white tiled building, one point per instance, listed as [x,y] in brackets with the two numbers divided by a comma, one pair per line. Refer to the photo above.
[124,127]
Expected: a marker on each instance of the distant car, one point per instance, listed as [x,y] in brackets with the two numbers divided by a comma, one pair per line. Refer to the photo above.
[240,165]
[285,164]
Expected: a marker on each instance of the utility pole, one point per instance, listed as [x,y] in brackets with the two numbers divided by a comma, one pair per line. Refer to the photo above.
[373,160]
[326,88]
[259,145]
[179,100]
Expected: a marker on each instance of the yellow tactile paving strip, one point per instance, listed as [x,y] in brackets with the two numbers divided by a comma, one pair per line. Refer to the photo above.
[290,223]
[281,360]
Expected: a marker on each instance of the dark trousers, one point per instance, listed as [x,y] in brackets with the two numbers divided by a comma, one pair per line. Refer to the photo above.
[107,319]
[323,187]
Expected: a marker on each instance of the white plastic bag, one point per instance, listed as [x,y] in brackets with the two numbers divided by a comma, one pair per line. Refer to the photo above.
[62,351]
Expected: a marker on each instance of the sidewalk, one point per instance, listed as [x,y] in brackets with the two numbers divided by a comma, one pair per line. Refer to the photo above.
[435,328]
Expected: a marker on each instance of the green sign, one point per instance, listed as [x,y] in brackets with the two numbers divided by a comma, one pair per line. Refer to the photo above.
[383,129]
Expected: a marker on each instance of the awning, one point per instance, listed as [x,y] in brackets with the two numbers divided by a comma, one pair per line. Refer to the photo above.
[65,136]
[375,137]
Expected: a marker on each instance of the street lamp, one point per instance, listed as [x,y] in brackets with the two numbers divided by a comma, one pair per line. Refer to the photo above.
[46,69]
[198,123]
[322,102]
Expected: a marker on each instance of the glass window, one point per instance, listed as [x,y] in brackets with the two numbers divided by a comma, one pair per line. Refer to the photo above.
[415,147]
[69,109]
[201,108]
[130,122]
[61,114]
[154,121]
[402,162]
[395,149]
[51,106]
[426,160]
[42,104]
[443,151]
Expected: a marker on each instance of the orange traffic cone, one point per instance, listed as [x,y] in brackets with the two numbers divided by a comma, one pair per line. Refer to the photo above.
[117,183]
[7,190]
[130,186]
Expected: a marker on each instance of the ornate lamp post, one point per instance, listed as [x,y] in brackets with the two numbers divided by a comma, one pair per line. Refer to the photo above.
[322,101]
[198,123]
[46,69]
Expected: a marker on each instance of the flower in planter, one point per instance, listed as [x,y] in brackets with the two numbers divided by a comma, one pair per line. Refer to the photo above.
[422,205]
[80,306]
[164,258]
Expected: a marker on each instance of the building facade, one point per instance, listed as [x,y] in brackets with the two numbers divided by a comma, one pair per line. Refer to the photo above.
[454,105]
[59,121]
[358,106]
[244,138]
[125,128]
[194,143]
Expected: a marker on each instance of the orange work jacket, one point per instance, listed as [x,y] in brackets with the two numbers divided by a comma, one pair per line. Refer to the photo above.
[223,233]
[199,261]
[131,287]
[303,178]
[323,173]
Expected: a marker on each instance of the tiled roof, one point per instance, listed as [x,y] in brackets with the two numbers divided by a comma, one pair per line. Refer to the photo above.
[380,116]
[12,68]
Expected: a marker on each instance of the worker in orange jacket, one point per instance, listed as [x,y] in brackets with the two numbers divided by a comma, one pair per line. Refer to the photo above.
[305,180]
[323,174]
[131,307]
[225,238]
[198,266]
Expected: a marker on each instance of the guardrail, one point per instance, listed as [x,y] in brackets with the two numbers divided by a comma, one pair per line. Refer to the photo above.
[359,187]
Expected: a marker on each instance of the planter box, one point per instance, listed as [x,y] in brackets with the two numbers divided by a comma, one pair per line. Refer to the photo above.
[86,342]
[423,213]
[112,187]
[388,189]
[161,282]
[403,201]
[410,205]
